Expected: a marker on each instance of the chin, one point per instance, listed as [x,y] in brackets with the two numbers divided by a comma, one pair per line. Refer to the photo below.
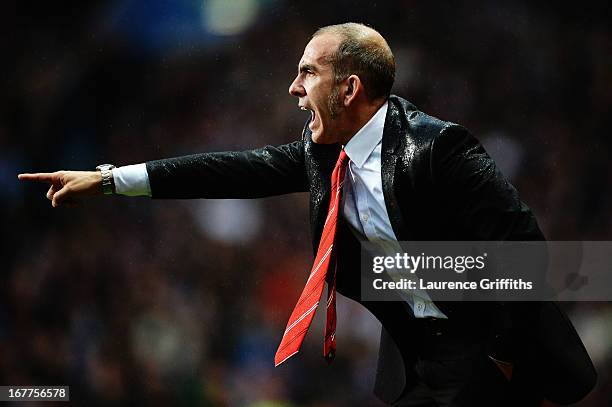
[316,137]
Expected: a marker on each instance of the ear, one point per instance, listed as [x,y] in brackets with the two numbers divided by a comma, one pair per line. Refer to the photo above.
[352,89]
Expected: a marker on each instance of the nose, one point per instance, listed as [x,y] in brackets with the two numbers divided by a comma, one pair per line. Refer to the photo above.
[296,89]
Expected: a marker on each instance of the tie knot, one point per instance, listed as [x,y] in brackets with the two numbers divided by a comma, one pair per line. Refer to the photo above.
[343,159]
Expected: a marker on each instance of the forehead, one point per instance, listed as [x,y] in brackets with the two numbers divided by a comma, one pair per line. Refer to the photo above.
[319,49]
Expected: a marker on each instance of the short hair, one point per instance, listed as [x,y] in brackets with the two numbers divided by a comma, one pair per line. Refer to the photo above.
[361,54]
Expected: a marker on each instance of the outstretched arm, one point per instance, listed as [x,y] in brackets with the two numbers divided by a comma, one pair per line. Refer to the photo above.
[255,173]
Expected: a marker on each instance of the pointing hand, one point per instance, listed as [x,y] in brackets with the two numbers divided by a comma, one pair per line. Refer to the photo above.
[67,185]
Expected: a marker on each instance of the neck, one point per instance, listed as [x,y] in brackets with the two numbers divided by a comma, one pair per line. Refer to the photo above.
[357,118]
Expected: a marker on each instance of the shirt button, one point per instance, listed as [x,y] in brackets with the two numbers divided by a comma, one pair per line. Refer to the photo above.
[365,218]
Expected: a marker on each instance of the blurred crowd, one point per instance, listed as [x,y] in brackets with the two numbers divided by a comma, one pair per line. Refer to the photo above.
[133,301]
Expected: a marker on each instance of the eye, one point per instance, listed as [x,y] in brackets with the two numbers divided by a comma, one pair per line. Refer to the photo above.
[306,70]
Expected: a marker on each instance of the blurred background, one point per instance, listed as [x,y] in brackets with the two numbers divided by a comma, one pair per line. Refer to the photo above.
[141,302]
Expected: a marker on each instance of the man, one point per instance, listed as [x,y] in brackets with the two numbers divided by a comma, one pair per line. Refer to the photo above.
[377,169]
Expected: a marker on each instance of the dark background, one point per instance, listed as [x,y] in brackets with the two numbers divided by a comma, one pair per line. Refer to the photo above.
[129,300]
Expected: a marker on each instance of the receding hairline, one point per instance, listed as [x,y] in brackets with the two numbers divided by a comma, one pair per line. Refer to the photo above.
[356,31]
[364,51]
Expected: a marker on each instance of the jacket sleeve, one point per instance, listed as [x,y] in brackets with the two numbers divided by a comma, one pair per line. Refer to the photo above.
[255,173]
[487,208]
[480,199]
[535,335]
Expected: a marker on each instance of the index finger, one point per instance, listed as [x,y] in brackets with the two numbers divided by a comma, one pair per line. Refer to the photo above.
[40,177]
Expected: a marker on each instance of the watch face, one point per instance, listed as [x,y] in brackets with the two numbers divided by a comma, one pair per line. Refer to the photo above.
[103,167]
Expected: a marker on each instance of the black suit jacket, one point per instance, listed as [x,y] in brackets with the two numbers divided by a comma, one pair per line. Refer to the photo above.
[438,184]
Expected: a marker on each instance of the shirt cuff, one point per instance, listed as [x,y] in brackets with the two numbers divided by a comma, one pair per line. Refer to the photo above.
[132,180]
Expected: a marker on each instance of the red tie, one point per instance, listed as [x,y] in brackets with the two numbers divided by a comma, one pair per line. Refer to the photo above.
[304,310]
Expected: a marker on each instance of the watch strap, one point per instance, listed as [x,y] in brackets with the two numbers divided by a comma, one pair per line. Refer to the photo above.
[108,184]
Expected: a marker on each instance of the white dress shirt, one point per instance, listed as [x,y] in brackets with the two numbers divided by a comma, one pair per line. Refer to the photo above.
[364,204]
[363,201]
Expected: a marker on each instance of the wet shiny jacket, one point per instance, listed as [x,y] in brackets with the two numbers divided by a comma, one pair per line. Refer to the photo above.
[438,184]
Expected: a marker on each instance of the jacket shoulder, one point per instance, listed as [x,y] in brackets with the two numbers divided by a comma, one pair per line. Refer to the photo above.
[420,126]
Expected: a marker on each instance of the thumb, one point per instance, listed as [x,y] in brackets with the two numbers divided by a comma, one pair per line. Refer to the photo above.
[51,192]
[60,196]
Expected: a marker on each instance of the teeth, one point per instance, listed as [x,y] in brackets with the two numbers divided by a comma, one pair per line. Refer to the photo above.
[303,108]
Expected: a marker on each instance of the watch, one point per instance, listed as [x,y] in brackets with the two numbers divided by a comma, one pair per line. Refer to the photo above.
[108,184]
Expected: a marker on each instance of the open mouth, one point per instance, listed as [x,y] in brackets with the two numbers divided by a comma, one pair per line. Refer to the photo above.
[312,113]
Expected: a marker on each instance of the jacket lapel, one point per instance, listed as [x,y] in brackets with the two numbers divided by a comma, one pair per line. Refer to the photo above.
[395,127]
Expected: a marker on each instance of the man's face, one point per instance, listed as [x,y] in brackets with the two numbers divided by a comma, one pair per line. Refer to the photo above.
[315,88]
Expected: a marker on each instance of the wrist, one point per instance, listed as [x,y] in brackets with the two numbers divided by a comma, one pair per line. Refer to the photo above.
[96,178]
[107,182]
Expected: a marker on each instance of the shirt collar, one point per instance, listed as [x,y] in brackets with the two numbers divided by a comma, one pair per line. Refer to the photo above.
[361,145]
